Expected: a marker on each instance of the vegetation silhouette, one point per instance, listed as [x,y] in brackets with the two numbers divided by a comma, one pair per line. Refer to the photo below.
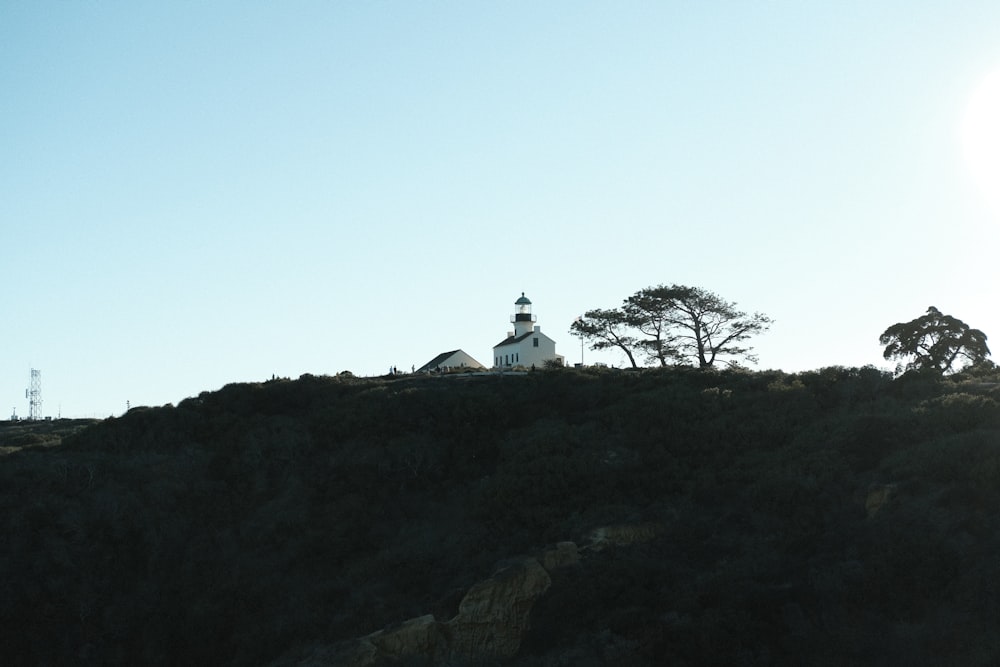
[673,325]
[935,342]
[839,516]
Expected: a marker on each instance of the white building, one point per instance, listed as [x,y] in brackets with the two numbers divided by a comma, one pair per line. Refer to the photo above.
[447,361]
[526,345]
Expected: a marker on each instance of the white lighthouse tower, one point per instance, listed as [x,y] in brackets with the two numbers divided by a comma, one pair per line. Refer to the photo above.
[522,318]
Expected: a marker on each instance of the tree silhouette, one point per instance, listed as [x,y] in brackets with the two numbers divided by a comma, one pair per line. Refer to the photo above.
[605,329]
[693,324]
[935,341]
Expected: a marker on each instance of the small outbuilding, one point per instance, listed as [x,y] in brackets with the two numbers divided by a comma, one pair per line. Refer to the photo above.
[449,361]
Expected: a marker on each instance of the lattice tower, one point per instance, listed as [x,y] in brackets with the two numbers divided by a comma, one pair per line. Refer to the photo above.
[34,395]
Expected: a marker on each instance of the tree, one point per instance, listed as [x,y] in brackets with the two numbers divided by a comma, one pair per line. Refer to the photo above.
[680,324]
[605,329]
[709,327]
[937,342]
[692,324]
[650,311]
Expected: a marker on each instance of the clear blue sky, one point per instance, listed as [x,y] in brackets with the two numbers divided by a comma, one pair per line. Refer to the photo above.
[193,194]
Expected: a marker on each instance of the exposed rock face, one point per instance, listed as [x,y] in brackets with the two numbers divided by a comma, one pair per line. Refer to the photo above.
[493,616]
[623,535]
[417,636]
[877,497]
[421,636]
[565,553]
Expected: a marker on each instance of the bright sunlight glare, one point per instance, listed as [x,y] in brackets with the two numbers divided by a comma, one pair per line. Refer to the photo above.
[980,133]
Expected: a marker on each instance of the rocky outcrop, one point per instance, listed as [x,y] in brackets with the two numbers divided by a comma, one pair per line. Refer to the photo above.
[417,636]
[491,621]
[623,535]
[877,497]
[493,616]
[564,553]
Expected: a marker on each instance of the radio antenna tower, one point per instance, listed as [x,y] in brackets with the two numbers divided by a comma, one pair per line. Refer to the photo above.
[34,395]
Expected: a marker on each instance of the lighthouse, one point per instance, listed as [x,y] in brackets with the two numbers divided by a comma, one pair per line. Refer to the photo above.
[526,346]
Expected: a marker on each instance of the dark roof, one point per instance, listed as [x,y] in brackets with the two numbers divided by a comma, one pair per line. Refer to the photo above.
[436,361]
[514,339]
[523,299]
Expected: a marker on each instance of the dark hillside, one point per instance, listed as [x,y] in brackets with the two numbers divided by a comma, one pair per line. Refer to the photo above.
[835,517]
[15,435]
